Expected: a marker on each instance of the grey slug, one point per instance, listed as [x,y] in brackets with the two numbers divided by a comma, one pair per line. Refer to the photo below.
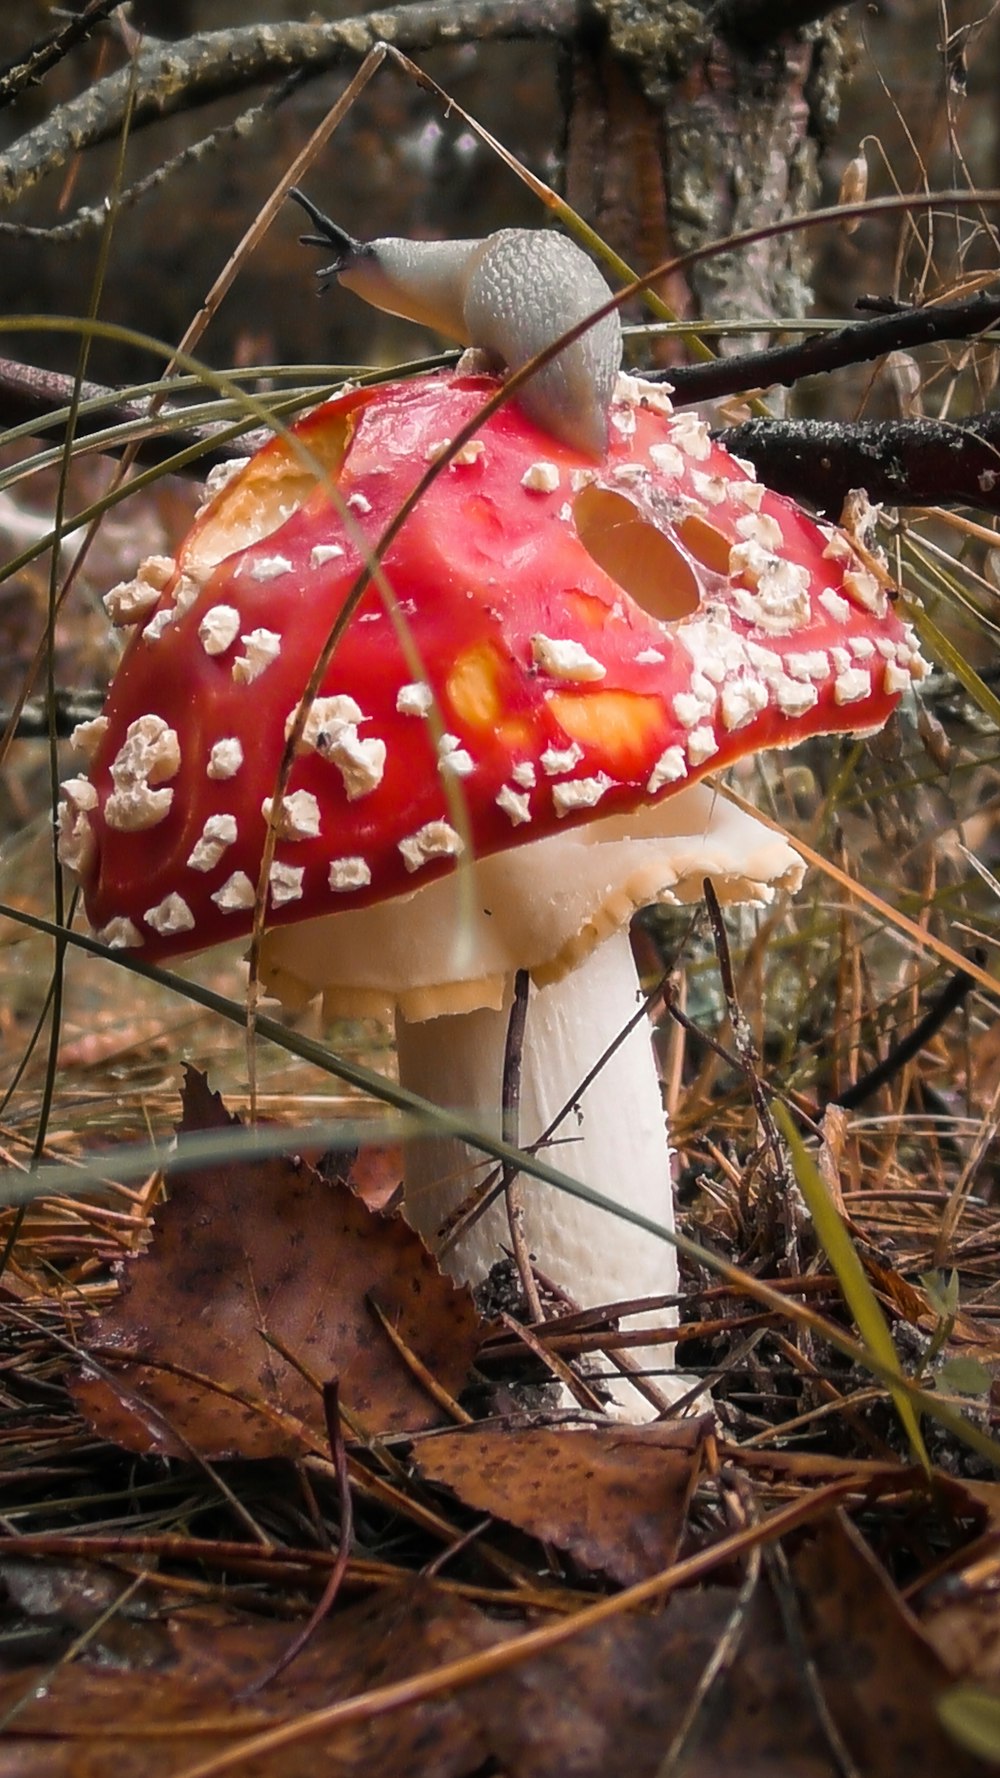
[511,295]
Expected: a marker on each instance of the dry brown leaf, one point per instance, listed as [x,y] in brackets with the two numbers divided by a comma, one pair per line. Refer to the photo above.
[608,1703]
[153,1722]
[879,1673]
[375,1174]
[605,1705]
[909,1302]
[960,1607]
[613,1498]
[243,1249]
[965,1632]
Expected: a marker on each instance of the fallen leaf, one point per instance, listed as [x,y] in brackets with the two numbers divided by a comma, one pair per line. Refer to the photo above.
[906,1299]
[609,1703]
[248,1249]
[714,1672]
[613,1498]
[376,1173]
[960,1608]
[45,1606]
[86,1720]
[605,1704]
[881,1678]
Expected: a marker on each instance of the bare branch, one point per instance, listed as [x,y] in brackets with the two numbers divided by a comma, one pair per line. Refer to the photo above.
[40,397]
[93,216]
[35,64]
[856,343]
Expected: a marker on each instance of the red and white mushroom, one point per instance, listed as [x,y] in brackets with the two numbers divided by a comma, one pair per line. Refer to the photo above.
[592,640]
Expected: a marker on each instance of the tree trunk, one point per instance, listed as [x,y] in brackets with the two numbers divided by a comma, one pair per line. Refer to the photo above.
[679,133]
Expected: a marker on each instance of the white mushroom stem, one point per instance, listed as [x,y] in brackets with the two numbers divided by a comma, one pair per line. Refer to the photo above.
[614,1140]
[444,958]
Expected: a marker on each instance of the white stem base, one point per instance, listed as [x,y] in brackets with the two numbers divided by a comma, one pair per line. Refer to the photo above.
[615,1141]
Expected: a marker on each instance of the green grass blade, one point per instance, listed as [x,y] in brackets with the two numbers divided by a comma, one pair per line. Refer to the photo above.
[949,655]
[858,1293]
[971,1716]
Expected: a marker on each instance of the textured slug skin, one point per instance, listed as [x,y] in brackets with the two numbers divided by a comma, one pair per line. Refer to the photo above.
[525,289]
[512,295]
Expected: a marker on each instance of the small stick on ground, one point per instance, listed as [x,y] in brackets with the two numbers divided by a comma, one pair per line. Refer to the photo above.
[327,1599]
[746,1051]
[510,1103]
[417,1368]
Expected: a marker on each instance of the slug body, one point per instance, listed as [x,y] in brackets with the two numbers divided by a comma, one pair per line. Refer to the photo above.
[511,295]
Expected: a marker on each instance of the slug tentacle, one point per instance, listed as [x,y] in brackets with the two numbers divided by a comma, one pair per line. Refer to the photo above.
[348,250]
[512,295]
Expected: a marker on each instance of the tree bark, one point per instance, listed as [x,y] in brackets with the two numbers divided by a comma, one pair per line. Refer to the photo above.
[680,129]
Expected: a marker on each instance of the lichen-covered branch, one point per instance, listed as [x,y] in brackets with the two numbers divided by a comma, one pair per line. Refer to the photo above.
[171,77]
[905,463]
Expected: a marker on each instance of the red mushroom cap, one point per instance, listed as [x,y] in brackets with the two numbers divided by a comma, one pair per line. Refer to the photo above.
[590,638]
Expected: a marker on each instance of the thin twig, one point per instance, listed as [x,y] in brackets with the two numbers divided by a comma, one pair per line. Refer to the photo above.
[484,1195]
[510,1178]
[31,68]
[325,1603]
[785,1594]
[743,1039]
[721,1659]
[950,998]
[571,1380]
[416,1366]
